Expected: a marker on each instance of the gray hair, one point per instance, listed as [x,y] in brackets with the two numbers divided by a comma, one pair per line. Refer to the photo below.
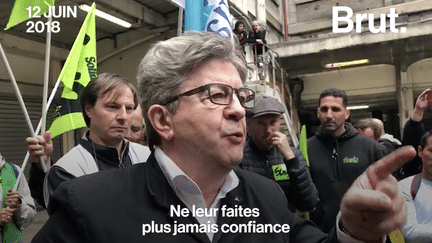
[165,68]
[369,122]
[256,22]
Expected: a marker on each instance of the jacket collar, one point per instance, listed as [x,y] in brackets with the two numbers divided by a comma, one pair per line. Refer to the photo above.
[233,198]
[350,132]
[158,185]
[165,196]
[254,147]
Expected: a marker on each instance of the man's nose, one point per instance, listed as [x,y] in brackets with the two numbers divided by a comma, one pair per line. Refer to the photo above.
[269,129]
[329,114]
[235,110]
[122,114]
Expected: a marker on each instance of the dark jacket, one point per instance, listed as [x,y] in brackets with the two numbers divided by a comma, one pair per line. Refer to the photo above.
[299,188]
[388,143]
[334,165]
[412,133]
[106,158]
[241,36]
[112,206]
[252,39]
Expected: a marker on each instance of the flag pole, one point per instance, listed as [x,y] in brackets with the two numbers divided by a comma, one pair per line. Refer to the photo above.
[21,101]
[46,74]
[26,159]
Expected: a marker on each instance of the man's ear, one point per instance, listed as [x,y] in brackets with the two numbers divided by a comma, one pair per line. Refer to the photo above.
[87,110]
[318,113]
[347,114]
[159,117]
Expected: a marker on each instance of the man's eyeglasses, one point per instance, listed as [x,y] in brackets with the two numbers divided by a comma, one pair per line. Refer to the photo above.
[221,94]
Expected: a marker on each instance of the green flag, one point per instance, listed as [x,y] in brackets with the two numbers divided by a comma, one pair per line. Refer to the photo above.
[303,144]
[27,9]
[303,150]
[10,232]
[79,69]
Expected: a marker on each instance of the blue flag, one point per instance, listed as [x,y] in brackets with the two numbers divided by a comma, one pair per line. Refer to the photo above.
[208,15]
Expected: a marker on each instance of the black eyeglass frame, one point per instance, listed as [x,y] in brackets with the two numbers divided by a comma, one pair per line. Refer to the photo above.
[207,88]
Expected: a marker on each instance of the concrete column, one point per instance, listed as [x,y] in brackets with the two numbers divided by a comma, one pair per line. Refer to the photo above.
[68,141]
[405,95]
[292,12]
[245,6]
[261,11]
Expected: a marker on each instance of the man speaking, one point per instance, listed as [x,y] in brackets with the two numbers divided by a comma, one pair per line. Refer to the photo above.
[194,104]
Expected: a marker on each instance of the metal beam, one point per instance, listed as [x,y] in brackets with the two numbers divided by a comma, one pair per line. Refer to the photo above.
[22,46]
[404,8]
[342,41]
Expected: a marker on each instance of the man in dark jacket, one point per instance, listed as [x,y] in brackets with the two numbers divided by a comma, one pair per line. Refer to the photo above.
[108,102]
[268,153]
[188,191]
[337,155]
[387,141]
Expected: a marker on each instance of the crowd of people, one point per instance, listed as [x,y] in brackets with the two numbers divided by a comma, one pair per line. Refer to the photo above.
[192,139]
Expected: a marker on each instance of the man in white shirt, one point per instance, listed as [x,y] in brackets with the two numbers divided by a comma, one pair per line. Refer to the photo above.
[417,190]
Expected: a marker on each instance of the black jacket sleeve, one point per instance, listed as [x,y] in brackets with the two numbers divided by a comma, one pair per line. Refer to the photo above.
[412,133]
[66,220]
[378,152]
[254,36]
[55,177]
[302,189]
[36,180]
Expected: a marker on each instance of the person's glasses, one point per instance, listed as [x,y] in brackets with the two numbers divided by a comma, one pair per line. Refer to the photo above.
[221,94]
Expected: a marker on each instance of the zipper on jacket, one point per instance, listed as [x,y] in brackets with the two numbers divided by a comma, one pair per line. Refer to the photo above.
[334,157]
[121,165]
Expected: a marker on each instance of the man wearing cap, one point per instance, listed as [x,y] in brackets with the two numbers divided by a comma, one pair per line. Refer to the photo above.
[268,153]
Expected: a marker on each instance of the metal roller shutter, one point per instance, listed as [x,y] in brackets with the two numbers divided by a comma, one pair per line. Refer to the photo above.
[14,130]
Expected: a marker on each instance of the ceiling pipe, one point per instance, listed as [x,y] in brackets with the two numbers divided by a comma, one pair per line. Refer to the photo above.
[285,17]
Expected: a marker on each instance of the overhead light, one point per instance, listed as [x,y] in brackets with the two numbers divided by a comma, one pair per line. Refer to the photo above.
[346,64]
[106,16]
[357,107]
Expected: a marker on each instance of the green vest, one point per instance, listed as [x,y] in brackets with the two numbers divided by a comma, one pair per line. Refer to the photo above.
[10,232]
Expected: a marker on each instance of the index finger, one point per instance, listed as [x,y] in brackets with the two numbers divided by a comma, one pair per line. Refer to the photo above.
[390,163]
